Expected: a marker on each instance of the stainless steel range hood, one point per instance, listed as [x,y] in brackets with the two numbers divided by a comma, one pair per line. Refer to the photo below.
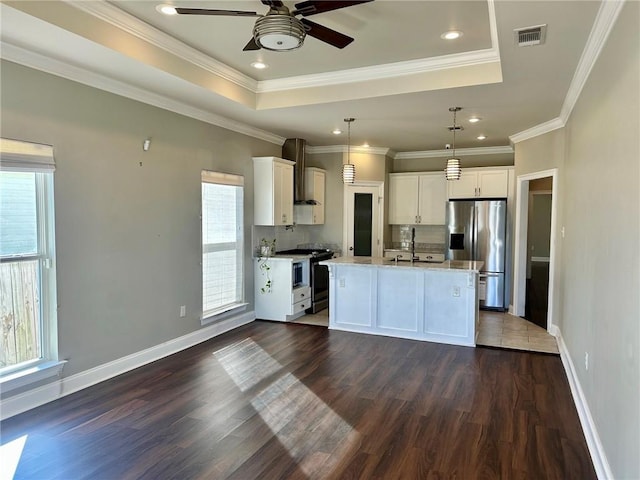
[294,149]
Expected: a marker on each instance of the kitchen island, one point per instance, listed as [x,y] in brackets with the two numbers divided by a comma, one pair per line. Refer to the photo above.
[436,302]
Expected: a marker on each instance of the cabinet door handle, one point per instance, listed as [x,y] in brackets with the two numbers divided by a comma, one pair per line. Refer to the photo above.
[302,294]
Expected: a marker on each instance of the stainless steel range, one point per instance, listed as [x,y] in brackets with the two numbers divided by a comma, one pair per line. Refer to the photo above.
[319,276]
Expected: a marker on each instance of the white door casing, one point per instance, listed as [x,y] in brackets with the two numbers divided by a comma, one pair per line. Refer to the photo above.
[521,253]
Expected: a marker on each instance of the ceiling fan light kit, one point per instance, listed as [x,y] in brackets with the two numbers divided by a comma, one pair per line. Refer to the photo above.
[279,32]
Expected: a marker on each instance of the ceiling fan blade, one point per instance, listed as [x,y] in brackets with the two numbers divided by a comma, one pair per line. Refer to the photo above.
[325,34]
[252,45]
[207,11]
[273,3]
[313,7]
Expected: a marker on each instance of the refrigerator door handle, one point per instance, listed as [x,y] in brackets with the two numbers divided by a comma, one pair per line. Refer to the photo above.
[487,275]
[474,244]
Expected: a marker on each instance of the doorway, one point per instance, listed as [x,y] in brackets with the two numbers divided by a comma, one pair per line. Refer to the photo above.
[538,245]
[363,219]
[536,206]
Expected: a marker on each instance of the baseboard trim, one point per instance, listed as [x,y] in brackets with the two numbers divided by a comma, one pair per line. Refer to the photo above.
[47,393]
[598,455]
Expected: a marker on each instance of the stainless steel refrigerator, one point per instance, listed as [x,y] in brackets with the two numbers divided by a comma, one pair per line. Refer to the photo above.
[476,230]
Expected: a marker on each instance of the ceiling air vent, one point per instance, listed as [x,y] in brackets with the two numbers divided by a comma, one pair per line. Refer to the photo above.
[525,37]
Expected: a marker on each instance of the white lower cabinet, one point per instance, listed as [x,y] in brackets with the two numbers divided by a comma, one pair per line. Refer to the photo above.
[275,296]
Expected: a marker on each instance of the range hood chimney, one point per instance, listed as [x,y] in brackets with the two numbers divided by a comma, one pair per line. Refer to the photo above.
[293,149]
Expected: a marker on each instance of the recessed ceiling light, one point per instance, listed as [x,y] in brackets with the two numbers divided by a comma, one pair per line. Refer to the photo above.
[365,145]
[474,120]
[259,65]
[167,9]
[451,35]
[336,131]
[481,137]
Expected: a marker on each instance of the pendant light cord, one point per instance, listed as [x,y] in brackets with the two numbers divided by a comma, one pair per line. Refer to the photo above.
[454,131]
[349,120]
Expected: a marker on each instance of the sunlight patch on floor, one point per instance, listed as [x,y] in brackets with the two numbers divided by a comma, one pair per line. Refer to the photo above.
[10,454]
[247,363]
[314,435]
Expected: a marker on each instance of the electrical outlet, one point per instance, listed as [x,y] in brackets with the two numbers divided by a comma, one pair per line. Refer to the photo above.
[456,291]
[183,311]
[562,231]
[341,282]
[586,360]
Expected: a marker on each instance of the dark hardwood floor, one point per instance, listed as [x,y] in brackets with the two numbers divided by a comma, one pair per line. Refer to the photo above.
[275,401]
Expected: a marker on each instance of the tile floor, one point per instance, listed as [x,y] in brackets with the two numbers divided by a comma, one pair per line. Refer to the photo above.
[495,330]
[507,331]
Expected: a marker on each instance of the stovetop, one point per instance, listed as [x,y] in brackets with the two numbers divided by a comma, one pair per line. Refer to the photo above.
[314,252]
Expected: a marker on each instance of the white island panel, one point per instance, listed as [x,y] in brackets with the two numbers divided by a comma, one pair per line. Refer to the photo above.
[404,288]
[448,296]
[354,298]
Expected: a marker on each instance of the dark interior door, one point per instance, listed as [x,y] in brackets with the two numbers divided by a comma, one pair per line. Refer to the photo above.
[362,224]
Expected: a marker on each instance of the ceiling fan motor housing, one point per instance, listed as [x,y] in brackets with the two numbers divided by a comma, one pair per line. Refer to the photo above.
[279,32]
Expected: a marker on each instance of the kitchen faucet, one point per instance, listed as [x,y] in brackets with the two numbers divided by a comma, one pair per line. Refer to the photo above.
[413,245]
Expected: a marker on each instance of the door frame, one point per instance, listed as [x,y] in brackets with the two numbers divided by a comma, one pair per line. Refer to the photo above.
[520,243]
[377,188]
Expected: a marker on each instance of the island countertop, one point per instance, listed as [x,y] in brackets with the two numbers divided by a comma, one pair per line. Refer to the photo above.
[465,265]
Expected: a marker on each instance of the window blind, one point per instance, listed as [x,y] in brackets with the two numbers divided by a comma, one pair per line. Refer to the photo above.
[19,156]
[222,241]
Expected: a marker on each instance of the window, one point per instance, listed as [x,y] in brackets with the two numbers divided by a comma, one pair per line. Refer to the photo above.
[28,326]
[222,243]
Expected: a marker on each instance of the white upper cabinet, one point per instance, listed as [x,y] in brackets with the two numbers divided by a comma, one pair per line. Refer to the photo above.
[417,198]
[273,191]
[314,187]
[480,183]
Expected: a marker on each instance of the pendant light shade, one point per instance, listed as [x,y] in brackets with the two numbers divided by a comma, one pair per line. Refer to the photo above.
[348,173]
[348,169]
[453,171]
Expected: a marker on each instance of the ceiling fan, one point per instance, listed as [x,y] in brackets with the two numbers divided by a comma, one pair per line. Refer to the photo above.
[279,29]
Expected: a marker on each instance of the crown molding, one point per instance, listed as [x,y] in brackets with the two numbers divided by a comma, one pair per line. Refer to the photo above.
[354,149]
[132,25]
[392,70]
[379,72]
[602,26]
[62,69]
[538,130]
[462,152]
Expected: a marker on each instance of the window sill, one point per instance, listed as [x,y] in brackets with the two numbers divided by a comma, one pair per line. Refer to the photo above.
[31,375]
[222,313]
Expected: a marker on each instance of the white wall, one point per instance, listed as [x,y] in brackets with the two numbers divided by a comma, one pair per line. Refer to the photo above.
[127,222]
[598,153]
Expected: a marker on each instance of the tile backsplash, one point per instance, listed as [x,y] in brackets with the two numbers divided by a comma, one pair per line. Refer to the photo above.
[430,237]
[286,237]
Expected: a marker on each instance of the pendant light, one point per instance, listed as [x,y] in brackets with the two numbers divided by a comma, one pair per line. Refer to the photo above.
[348,169]
[452,170]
